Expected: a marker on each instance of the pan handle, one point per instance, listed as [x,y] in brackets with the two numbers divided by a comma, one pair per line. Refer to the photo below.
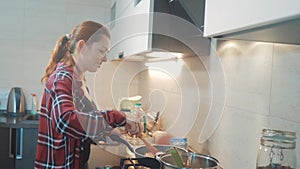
[122,140]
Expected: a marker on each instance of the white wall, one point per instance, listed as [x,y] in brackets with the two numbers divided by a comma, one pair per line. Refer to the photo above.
[29,30]
[262,91]
[174,88]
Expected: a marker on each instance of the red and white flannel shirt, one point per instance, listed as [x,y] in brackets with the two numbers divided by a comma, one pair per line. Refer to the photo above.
[62,127]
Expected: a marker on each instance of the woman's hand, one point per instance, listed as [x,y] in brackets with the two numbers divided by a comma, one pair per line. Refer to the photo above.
[162,137]
[133,128]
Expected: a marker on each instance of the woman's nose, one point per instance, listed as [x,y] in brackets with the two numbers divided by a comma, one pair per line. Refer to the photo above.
[104,59]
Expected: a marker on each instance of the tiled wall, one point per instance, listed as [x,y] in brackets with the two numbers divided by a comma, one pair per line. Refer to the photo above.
[174,88]
[262,87]
[29,30]
[262,91]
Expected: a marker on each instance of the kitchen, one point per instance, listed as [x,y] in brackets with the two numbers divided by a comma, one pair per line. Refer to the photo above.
[258,87]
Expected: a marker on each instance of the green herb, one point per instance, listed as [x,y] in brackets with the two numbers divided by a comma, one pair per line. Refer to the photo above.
[176,157]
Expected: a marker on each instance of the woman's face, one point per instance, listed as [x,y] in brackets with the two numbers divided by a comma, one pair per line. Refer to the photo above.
[93,55]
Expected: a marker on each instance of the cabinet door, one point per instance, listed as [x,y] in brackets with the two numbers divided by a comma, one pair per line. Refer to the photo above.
[131,27]
[6,156]
[27,144]
[223,17]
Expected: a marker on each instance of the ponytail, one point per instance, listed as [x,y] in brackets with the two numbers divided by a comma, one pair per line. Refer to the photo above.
[61,52]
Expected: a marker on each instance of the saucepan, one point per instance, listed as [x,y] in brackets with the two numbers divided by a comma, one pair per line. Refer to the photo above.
[191,160]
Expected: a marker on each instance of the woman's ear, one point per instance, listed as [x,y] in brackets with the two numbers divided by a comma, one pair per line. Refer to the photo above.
[80,45]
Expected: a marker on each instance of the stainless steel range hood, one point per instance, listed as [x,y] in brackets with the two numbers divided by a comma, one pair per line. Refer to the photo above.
[287,32]
[191,11]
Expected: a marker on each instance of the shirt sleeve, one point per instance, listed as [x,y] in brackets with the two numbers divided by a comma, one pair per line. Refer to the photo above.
[114,118]
[73,123]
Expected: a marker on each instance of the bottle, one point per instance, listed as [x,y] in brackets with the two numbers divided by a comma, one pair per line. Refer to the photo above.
[134,118]
[140,116]
[277,150]
[34,104]
[138,112]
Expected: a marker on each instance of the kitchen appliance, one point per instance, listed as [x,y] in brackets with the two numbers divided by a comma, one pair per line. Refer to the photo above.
[137,163]
[141,163]
[164,21]
[16,104]
[191,160]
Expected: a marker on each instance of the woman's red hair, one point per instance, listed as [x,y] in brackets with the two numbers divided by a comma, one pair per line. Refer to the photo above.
[66,44]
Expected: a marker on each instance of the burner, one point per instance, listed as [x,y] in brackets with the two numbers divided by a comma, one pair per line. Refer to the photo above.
[108,167]
[140,162]
[128,163]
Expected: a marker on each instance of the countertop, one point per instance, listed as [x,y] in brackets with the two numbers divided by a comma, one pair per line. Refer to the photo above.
[26,121]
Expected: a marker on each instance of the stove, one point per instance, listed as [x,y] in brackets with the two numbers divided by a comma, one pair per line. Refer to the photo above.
[129,163]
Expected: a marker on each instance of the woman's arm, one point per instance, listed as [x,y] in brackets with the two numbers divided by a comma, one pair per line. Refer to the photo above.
[76,124]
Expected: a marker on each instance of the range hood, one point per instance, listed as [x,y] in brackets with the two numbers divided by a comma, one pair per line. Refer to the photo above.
[185,9]
[286,32]
[174,41]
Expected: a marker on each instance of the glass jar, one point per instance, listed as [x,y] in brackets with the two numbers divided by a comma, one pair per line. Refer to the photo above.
[277,150]
[179,142]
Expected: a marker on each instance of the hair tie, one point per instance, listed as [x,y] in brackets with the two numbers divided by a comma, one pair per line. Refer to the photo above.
[63,48]
[68,37]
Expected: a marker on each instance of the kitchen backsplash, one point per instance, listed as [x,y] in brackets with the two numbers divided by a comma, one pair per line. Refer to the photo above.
[261,92]
[262,89]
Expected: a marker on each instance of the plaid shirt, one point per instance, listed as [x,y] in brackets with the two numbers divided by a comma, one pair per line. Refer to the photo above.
[63,126]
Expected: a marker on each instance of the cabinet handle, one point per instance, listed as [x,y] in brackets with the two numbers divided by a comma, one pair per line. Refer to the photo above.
[18,144]
[10,154]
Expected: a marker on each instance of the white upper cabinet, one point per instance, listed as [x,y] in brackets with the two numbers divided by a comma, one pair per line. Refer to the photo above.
[129,28]
[225,17]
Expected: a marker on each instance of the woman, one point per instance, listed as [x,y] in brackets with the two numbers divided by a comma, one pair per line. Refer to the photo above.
[69,120]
